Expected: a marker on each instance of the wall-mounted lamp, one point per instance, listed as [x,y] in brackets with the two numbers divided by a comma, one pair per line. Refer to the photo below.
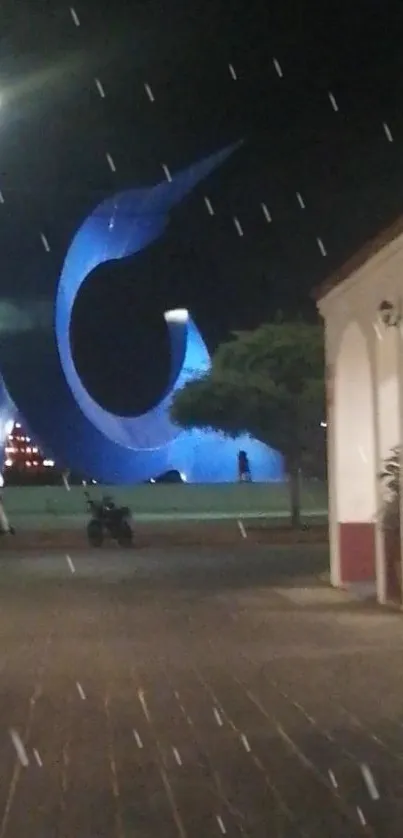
[389,314]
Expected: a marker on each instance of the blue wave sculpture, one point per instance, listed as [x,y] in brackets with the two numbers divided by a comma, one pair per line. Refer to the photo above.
[75,430]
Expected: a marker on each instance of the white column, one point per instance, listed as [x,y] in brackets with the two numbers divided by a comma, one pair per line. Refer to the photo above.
[380,567]
[335,574]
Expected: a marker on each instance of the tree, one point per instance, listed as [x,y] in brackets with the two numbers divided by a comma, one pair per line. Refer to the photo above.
[268,383]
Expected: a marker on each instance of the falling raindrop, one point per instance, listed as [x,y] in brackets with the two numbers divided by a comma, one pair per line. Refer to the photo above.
[238,226]
[149,92]
[111,161]
[266,213]
[74,16]
[100,88]
[45,242]
[300,200]
[208,205]
[333,101]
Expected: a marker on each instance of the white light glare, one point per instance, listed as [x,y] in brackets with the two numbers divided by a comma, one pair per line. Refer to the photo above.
[183,477]
[323,424]
[49,463]
[232,71]
[176,315]
[167,173]
[278,68]
[321,246]
[300,200]
[8,427]
[388,132]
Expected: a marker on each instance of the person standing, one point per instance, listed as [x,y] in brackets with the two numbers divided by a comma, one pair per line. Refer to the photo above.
[5,528]
[244,472]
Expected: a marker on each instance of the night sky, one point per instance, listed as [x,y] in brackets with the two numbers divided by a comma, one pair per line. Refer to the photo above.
[318,99]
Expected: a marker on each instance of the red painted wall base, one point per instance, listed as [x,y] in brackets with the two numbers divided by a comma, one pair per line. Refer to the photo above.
[357,552]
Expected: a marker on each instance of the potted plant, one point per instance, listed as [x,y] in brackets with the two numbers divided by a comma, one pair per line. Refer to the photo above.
[390,518]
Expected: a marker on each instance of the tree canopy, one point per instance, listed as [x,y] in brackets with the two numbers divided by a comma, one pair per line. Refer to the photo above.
[268,383]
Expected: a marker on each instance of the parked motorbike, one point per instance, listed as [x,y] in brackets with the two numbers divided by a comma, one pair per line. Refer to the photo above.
[108,521]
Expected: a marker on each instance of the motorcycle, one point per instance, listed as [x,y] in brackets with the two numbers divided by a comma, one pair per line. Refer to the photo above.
[108,520]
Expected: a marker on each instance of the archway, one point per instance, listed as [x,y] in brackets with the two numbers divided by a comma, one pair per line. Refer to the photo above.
[355,467]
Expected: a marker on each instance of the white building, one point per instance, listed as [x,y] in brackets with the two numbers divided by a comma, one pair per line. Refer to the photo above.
[362,307]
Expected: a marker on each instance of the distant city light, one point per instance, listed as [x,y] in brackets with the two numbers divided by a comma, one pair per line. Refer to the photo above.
[16,446]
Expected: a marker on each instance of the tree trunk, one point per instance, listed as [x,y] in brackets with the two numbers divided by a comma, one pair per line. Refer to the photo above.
[295,497]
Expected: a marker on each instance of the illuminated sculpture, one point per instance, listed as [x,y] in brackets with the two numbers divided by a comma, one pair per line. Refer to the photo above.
[76,431]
